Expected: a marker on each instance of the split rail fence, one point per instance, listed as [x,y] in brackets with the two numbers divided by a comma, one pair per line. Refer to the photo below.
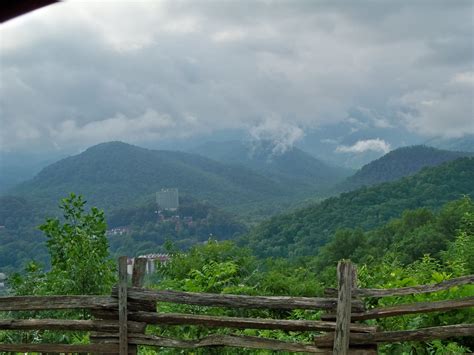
[120,320]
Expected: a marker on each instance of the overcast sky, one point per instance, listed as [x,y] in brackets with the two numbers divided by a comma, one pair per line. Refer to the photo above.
[79,73]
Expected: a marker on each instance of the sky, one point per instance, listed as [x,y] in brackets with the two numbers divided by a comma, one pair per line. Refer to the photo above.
[371,75]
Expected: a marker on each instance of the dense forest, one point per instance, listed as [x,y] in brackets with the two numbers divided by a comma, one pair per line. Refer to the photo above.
[296,233]
[304,231]
[149,232]
[395,254]
[398,163]
[119,174]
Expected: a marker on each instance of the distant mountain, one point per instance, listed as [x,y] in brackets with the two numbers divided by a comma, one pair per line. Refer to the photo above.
[116,174]
[18,167]
[464,144]
[302,232]
[292,167]
[397,164]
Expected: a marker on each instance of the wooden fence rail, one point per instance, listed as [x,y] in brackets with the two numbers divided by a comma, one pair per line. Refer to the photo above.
[120,320]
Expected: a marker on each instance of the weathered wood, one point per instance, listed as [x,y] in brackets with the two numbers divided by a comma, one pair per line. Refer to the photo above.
[220,340]
[343,312]
[231,341]
[66,325]
[240,323]
[404,291]
[138,296]
[61,348]
[36,303]
[138,275]
[138,278]
[122,306]
[424,334]
[419,307]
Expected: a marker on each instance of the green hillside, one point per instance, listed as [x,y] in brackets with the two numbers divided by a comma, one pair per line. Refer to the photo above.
[147,232]
[304,231]
[117,174]
[397,164]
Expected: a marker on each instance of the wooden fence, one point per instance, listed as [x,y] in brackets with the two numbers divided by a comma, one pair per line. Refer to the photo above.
[119,320]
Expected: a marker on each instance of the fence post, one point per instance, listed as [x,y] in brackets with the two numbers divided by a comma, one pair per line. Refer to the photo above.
[345,275]
[138,277]
[122,305]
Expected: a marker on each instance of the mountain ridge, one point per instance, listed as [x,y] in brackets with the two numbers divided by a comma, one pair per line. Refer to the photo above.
[116,173]
[290,166]
[302,232]
[399,163]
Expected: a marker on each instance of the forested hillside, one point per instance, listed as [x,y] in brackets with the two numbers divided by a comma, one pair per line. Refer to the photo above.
[304,231]
[194,222]
[149,232]
[397,164]
[116,174]
[421,247]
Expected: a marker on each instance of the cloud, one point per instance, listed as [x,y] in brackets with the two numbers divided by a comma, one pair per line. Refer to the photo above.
[376,145]
[97,68]
[148,126]
[446,110]
[280,134]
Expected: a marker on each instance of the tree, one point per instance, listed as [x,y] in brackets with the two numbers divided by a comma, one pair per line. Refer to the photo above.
[79,250]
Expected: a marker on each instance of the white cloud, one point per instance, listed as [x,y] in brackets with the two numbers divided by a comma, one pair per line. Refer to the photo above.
[446,110]
[376,145]
[463,78]
[281,134]
[148,126]
[229,35]
[376,119]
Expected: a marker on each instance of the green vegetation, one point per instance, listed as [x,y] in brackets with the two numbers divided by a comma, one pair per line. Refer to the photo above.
[304,231]
[118,174]
[122,179]
[420,247]
[399,255]
[397,164]
[79,254]
[80,265]
[147,232]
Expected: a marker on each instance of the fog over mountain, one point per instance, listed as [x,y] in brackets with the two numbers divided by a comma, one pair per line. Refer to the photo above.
[373,77]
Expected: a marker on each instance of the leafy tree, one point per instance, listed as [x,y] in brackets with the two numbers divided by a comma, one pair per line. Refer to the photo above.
[79,252]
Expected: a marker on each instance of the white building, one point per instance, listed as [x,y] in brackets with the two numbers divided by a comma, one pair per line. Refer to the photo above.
[168,199]
[152,259]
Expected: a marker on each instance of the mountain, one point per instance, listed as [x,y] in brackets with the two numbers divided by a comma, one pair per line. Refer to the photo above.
[464,143]
[304,231]
[18,167]
[116,174]
[397,164]
[292,167]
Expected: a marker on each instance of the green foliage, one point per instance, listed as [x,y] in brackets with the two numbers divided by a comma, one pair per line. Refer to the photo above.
[384,261]
[80,265]
[417,233]
[118,174]
[399,163]
[304,231]
[146,234]
[79,254]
